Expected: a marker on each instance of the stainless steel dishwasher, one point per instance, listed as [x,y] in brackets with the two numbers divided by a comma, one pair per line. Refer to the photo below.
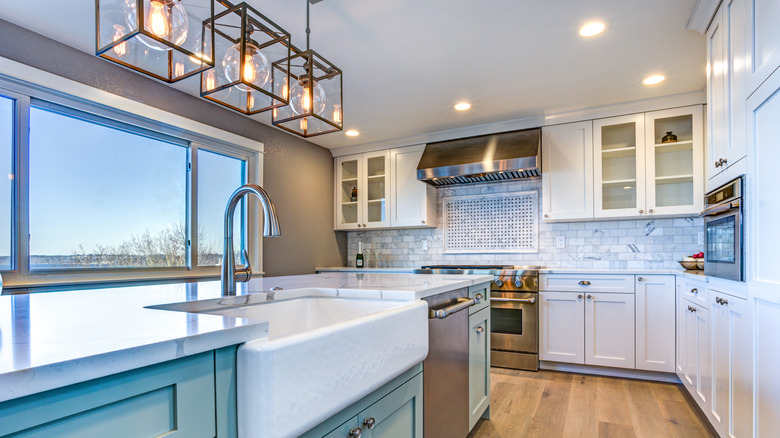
[446,369]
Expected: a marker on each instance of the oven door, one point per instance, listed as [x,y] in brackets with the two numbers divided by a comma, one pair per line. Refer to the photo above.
[513,320]
[723,244]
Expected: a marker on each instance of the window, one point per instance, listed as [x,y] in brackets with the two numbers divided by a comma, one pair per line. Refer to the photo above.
[101,197]
[96,194]
[6,180]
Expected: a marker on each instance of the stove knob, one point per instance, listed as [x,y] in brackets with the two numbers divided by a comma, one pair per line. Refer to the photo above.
[499,282]
[519,283]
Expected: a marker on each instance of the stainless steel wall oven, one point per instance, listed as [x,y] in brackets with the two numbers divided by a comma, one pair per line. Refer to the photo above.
[724,253]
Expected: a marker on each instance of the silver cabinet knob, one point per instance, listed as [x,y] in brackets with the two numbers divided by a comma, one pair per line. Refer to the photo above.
[640,279]
[579,296]
[694,291]
[547,215]
[519,283]
[584,283]
[499,282]
[479,329]
[641,212]
[370,423]
[479,297]
[590,297]
[650,211]
[355,432]
[423,221]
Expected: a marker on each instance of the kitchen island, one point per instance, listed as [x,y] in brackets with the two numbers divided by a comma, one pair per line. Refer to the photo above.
[56,339]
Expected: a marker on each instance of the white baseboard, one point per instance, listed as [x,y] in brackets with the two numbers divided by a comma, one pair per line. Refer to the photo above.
[609,372]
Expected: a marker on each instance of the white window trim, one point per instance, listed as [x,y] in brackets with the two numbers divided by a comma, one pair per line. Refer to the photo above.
[89,99]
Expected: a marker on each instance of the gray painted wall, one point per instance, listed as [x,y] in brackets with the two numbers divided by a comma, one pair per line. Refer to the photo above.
[298,175]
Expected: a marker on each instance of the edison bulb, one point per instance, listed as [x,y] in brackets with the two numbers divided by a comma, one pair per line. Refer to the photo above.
[121,48]
[301,100]
[256,69]
[165,19]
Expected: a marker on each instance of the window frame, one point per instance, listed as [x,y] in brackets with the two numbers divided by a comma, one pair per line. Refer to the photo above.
[27,95]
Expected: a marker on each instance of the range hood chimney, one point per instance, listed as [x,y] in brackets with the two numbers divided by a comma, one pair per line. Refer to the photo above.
[486,158]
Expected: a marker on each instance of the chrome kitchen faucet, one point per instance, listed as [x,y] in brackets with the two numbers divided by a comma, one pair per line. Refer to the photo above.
[270,229]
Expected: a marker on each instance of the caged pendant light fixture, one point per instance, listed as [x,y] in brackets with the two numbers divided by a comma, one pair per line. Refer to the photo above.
[315,97]
[166,39]
[252,72]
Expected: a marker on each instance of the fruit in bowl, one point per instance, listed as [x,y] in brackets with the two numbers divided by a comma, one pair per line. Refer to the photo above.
[695,261]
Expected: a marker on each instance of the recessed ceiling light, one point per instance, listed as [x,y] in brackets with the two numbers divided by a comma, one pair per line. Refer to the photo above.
[352,133]
[592,29]
[462,106]
[654,79]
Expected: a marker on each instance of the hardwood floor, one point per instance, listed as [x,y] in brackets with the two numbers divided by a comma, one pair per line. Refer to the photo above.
[554,404]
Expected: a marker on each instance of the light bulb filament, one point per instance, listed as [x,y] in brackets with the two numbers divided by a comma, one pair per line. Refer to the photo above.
[120,49]
[306,101]
[337,114]
[249,69]
[158,21]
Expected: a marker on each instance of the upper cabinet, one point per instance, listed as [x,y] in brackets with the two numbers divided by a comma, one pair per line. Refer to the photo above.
[380,190]
[727,69]
[639,165]
[763,40]
[567,171]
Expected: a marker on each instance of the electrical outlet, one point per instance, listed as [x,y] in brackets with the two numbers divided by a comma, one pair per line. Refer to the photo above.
[701,237]
[425,245]
[560,242]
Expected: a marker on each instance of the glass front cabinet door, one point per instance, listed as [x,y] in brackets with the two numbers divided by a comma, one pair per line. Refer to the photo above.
[362,191]
[619,166]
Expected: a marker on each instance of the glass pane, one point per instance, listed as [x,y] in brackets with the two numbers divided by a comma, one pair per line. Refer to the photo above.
[618,166]
[506,321]
[375,170]
[218,177]
[674,161]
[721,243]
[6,180]
[349,192]
[101,197]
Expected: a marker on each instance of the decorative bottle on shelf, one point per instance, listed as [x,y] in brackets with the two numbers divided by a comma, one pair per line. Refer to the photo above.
[359,257]
[669,138]
[353,198]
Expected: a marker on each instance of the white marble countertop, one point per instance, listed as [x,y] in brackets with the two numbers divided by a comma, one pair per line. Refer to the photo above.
[694,274]
[58,338]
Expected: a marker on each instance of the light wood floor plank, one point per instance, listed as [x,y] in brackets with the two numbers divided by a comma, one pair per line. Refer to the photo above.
[550,416]
[612,402]
[681,420]
[611,430]
[581,415]
[645,411]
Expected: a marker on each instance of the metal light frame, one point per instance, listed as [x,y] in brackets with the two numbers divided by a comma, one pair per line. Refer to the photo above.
[107,51]
[284,118]
[251,21]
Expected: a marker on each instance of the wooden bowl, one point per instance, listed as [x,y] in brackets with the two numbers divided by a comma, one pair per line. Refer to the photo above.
[688,264]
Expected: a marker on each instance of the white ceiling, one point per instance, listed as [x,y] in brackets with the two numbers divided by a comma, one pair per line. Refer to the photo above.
[406,62]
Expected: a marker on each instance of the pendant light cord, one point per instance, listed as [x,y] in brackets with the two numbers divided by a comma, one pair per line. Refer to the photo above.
[308,31]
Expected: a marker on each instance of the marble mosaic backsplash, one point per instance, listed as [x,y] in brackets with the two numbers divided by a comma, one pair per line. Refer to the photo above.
[617,244]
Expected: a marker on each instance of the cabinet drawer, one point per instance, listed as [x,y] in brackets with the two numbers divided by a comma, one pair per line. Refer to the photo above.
[481,293]
[587,282]
[696,292]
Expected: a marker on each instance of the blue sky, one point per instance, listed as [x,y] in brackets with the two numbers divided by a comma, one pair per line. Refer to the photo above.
[91,184]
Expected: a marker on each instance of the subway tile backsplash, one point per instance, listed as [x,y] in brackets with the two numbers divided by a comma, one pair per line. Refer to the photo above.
[616,244]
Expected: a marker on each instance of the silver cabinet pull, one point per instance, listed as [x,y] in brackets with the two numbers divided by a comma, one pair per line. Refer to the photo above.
[355,432]
[370,423]
[515,300]
[584,283]
[694,291]
[479,329]
[463,303]
[721,301]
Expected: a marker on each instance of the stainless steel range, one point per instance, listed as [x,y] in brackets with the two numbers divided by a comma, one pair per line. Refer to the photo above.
[514,315]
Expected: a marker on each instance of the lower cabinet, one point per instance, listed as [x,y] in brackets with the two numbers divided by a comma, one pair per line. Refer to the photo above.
[479,364]
[562,327]
[697,354]
[176,399]
[395,410]
[655,323]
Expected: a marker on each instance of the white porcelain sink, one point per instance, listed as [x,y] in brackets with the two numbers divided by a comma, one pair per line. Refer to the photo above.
[322,354]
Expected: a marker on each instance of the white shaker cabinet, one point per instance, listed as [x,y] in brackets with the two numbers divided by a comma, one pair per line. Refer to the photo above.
[609,329]
[362,183]
[562,327]
[763,41]
[697,354]
[567,171]
[655,323]
[619,166]
[412,202]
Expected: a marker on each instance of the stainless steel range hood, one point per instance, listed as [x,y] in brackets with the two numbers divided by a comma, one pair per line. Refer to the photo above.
[494,157]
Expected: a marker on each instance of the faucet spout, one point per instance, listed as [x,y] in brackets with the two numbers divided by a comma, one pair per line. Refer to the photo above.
[270,229]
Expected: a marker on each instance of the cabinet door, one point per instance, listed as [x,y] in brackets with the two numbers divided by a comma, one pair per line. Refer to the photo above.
[609,330]
[375,197]
[675,170]
[697,367]
[412,202]
[567,171]
[479,364]
[655,323]
[561,327]
[348,190]
[682,312]
[717,93]
[619,166]
[730,410]
[398,414]
[763,41]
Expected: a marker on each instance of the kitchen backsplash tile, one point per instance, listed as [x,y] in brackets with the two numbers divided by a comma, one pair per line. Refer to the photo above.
[618,244]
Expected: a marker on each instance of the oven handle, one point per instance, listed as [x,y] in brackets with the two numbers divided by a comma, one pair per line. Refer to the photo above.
[463,303]
[720,208]
[515,300]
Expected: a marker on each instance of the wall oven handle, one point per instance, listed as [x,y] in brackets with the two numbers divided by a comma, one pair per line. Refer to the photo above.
[463,303]
[515,300]
[719,208]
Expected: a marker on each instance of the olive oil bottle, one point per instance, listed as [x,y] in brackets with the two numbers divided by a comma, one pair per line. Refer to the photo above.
[359,258]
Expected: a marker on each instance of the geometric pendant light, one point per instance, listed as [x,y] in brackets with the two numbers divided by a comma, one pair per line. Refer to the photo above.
[315,95]
[166,39]
[251,72]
